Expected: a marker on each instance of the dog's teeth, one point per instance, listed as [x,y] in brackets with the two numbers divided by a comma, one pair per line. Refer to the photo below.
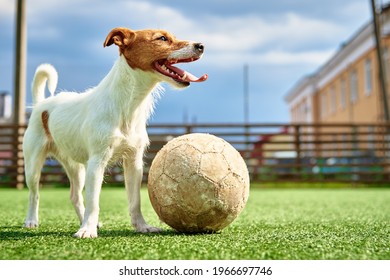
[184,76]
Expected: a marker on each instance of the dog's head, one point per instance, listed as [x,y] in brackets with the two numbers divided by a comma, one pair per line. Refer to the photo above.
[156,51]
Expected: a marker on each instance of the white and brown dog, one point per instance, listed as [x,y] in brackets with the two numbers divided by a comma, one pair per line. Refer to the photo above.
[86,132]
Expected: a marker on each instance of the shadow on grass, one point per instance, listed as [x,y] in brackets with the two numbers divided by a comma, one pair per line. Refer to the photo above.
[18,233]
[132,233]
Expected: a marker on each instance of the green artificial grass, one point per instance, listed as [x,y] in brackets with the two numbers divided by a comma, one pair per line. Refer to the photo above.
[276,224]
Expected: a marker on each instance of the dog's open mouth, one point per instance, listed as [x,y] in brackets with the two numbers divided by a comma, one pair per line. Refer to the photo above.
[166,68]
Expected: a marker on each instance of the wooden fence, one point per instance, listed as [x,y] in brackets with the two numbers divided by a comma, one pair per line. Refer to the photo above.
[273,152]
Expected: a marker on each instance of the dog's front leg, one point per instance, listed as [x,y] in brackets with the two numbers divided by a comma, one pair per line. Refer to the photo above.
[133,169]
[93,184]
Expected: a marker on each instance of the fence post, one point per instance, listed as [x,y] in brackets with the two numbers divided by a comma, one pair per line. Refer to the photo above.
[386,149]
[355,153]
[297,144]
[188,128]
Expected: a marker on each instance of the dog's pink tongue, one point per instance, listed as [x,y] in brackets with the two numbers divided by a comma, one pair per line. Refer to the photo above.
[187,76]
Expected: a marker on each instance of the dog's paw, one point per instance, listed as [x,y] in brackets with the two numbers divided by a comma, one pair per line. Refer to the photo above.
[86,233]
[147,229]
[30,224]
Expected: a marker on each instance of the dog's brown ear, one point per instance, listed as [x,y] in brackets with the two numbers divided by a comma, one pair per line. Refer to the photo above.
[120,36]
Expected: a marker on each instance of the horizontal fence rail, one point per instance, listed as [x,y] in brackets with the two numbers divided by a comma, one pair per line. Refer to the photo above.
[356,153]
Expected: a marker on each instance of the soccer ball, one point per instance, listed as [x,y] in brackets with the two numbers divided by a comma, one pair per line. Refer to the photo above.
[198,183]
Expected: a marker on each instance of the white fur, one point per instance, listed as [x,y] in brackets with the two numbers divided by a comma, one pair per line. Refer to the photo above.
[185,52]
[90,130]
[44,72]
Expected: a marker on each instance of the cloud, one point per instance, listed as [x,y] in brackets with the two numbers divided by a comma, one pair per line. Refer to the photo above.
[248,35]
[7,8]
[354,8]
[286,38]
[231,60]
[249,32]
[238,33]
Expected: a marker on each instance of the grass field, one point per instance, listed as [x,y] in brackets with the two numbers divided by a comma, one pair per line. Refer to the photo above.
[276,224]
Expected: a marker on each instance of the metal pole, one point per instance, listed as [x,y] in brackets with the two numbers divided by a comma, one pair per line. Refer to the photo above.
[246,94]
[381,68]
[246,105]
[19,101]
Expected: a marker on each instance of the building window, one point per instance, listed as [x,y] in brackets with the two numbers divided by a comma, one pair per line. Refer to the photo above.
[343,94]
[323,105]
[353,84]
[332,99]
[304,110]
[386,59]
[368,76]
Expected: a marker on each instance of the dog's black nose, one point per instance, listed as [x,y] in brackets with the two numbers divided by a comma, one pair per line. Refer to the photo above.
[199,47]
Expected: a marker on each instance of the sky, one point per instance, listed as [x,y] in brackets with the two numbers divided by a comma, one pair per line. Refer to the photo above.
[281,41]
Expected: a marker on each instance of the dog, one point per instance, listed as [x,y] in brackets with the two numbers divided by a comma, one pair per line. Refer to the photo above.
[88,131]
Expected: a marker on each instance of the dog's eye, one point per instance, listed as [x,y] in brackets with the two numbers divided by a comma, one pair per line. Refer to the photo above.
[163,38]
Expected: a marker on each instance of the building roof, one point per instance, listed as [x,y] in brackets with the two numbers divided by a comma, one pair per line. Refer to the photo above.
[349,51]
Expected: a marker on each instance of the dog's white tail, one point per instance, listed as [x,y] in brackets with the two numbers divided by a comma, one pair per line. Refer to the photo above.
[44,73]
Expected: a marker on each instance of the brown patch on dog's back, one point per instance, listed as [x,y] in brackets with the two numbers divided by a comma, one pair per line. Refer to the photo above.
[45,123]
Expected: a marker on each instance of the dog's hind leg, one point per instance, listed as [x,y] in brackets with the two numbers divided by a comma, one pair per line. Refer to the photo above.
[76,175]
[133,170]
[34,158]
